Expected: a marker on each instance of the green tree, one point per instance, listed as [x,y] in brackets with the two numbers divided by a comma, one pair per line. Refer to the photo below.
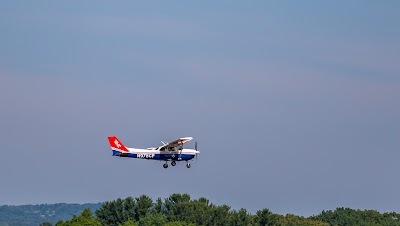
[143,205]
[350,217]
[179,223]
[181,210]
[218,215]
[174,206]
[200,211]
[129,209]
[112,213]
[158,206]
[265,217]
[85,219]
[154,220]
[129,223]
[46,224]
[240,218]
[293,220]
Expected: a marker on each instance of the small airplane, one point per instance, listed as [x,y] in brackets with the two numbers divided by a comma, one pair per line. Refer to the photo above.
[172,151]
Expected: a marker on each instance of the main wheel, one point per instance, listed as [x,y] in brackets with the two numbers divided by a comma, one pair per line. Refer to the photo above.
[165,165]
[188,165]
[173,163]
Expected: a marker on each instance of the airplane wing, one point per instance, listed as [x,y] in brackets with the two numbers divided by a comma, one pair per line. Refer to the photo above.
[178,142]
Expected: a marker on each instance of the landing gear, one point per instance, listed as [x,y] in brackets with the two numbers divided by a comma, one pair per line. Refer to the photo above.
[173,163]
[165,165]
[188,165]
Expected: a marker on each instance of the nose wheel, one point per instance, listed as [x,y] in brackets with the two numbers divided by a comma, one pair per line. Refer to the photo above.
[188,165]
[165,165]
[173,163]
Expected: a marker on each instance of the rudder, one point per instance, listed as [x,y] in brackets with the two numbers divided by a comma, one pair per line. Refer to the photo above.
[116,144]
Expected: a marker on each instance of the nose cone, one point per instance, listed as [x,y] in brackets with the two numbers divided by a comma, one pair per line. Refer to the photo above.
[197,152]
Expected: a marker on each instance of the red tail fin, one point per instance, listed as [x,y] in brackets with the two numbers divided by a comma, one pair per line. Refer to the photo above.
[117,144]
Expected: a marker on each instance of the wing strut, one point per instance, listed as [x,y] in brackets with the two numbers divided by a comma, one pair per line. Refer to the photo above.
[180,150]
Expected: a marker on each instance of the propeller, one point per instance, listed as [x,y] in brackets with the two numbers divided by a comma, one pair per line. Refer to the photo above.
[195,148]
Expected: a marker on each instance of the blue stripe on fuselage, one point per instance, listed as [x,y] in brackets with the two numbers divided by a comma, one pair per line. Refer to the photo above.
[162,157]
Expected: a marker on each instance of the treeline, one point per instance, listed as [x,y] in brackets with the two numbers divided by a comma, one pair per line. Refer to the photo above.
[347,216]
[33,215]
[181,210]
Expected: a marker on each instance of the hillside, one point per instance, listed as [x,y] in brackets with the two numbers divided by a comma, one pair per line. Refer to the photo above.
[33,215]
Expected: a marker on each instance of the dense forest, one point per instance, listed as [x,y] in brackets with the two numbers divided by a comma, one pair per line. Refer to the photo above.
[33,215]
[181,210]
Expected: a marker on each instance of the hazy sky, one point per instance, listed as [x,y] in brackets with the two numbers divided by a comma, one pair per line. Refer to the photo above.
[295,104]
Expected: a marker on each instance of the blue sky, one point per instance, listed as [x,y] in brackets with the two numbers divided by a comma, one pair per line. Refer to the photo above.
[295,105]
